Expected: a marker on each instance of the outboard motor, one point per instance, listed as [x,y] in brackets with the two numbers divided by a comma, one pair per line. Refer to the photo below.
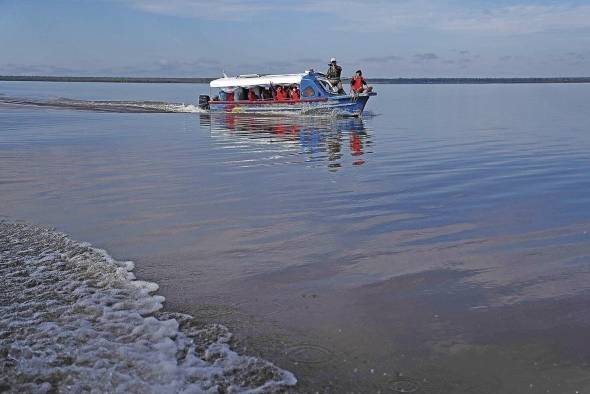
[204,101]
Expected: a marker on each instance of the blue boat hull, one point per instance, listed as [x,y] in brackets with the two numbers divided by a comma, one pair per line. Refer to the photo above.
[335,105]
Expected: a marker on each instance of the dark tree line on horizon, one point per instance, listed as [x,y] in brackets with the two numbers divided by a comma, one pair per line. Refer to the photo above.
[372,80]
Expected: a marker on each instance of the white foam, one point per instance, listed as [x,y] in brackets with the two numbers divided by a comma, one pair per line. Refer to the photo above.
[103,106]
[186,108]
[72,319]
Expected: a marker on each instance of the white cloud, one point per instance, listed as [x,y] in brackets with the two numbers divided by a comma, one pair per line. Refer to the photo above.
[522,19]
[206,9]
[391,15]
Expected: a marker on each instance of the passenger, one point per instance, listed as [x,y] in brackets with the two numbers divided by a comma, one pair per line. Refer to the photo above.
[281,94]
[295,93]
[284,95]
[273,91]
[230,96]
[333,76]
[252,95]
[258,90]
[358,83]
[240,94]
[265,94]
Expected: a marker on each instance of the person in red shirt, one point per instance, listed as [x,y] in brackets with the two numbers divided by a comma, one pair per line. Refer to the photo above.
[281,95]
[230,96]
[358,83]
[295,93]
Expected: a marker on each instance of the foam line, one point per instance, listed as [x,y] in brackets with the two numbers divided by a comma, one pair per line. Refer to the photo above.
[73,319]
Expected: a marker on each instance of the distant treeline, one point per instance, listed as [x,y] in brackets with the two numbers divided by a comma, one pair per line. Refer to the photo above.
[478,80]
[371,80]
[103,79]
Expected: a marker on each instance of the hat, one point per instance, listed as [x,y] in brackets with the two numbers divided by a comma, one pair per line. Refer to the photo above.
[332,60]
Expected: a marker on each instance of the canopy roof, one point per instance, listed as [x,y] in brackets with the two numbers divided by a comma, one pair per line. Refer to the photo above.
[254,80]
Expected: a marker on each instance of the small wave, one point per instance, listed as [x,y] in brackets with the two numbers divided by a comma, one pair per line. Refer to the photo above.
[104,106]
[73,319]
[370,114]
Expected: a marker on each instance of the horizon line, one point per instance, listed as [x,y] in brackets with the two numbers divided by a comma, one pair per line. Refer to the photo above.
[377,80]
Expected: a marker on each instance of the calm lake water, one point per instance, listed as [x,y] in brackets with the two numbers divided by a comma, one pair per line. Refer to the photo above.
[440,244]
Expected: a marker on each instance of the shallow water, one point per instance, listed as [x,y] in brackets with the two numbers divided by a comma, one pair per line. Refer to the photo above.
[75,320]
[438,246]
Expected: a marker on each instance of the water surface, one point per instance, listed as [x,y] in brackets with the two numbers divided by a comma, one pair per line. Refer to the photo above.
[438,245]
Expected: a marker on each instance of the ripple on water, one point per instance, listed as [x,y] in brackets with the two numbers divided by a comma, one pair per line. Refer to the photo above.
[309,354]
[404,385]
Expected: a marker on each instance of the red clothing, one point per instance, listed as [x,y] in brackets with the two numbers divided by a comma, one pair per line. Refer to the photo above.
[295,95]
[230,97]
[357,83]
[281,95]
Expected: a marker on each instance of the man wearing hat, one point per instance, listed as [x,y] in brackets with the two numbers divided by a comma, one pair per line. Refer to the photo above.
[333,75]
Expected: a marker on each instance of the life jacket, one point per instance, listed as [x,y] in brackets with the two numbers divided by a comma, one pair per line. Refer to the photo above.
[281,95]
[357,83]
[251,95]
[295,94]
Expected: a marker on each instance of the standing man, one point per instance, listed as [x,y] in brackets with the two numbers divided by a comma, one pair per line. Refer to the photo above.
[333,75]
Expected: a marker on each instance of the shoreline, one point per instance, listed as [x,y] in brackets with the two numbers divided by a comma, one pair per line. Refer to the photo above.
[107,314]
[385,81]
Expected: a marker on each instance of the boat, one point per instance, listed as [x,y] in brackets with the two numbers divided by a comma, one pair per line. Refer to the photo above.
[317,96]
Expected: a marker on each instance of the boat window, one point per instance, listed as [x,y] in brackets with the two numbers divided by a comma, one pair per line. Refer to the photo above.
[308,92]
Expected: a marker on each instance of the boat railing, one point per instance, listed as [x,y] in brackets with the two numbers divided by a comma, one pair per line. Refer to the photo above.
[269,101]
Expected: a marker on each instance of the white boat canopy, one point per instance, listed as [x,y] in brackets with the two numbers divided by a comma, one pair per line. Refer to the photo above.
[257,80]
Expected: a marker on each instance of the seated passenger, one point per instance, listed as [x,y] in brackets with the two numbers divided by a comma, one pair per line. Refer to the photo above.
[358,83]
[240,94]
[230,96]
[295,93]
[280,95]
[265,94]
[252,95]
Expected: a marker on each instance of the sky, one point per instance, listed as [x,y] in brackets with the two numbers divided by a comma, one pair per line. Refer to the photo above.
[384,38]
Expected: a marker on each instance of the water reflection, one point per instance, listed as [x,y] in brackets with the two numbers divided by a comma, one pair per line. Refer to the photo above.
[337,141]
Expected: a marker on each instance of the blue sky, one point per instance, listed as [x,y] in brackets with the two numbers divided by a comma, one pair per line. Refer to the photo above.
[386,38]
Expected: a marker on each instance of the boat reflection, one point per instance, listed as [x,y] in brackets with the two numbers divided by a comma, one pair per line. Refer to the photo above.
[337,141]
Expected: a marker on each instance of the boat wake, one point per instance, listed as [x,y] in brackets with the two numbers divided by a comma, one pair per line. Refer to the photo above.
[155,107]
[103,106]
[73,319]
